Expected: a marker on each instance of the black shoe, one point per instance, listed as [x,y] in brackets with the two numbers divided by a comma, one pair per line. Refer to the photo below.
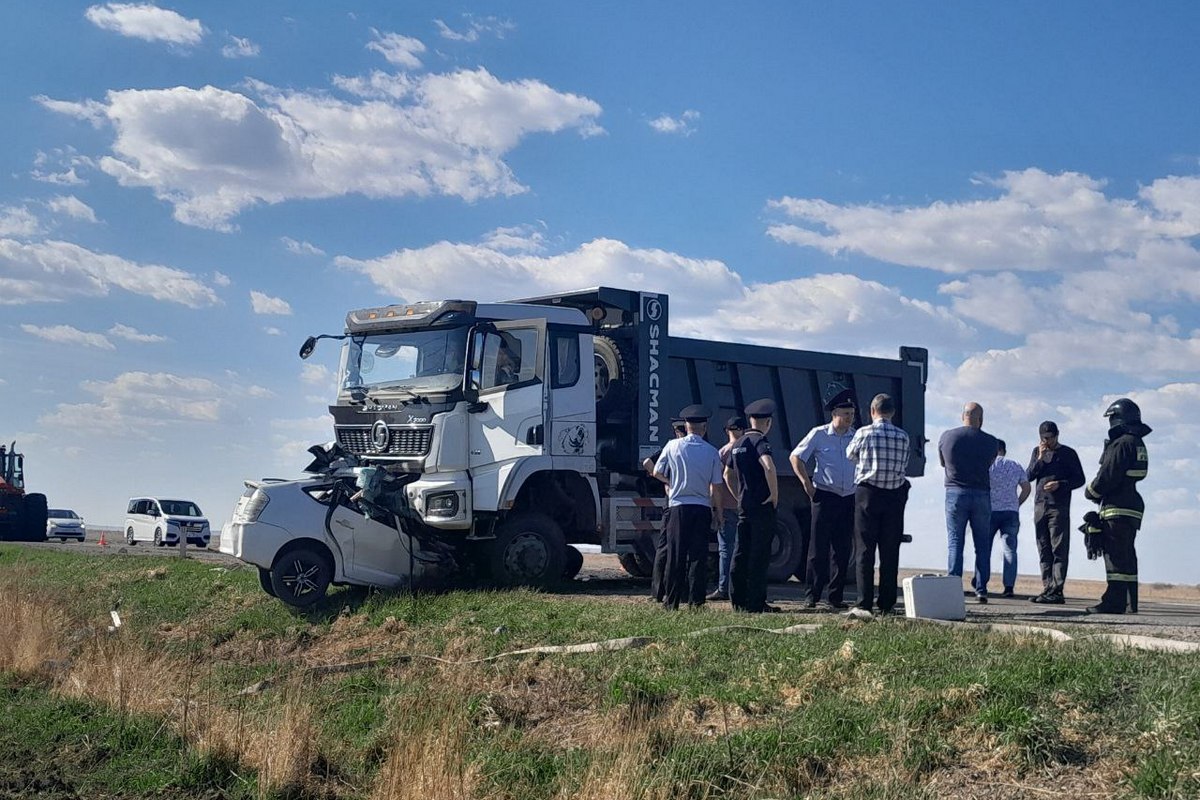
[838,605]
[1100,608]
[1050,598]
[717,596]
[887,612]
[1008,592]
[770,609]
[810,604]
[981,599]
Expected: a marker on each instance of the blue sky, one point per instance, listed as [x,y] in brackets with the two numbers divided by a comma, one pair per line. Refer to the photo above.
[190,189]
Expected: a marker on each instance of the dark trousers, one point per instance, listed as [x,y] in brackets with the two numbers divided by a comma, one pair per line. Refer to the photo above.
[878,525]
[832,535]
[1051,527]
[751,556]
[1120,564]
[658,575]
[687,555]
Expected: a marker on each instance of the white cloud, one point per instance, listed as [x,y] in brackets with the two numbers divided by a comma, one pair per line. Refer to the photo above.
[1039,222]
[55,271]
[476,27]
[16,221]
[518,238]
[269,331]
[264,304]
[316,374]
[137,402]
[147,22]
[403,51]
[134,335]
[65,334]
[66,161]
[72,206]
[301,248]
[683,125]
[212,153]
[221,279]
[239,47]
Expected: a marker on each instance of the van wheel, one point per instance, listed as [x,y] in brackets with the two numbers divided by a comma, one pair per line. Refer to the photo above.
[573,563]
[129,540]
[158,537]
[264,580]
[529,550]
[301,576]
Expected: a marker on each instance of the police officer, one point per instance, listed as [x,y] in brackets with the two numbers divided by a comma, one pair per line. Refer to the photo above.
[691,468]
[750,475]
[658,572]
[831,491]
[1123,463]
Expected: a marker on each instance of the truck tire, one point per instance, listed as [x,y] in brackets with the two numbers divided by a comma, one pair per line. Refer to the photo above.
[786,548]
[35,516]
[616,372]
[572,563]
[529,550]
[631,564]
[301,575]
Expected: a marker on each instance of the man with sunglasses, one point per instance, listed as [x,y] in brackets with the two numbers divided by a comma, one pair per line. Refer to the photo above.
[1056,470]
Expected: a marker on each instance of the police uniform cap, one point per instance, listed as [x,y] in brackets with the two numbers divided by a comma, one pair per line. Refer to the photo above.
[761,408]
[736,423]
[843,399]
[695,413]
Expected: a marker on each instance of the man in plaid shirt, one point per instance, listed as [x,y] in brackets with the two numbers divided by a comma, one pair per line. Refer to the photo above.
[880,453]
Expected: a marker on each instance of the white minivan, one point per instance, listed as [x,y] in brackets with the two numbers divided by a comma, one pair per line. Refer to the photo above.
[159,520]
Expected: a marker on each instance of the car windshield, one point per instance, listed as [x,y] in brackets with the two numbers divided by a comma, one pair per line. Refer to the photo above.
[180,508]
[417,362]
[62,513]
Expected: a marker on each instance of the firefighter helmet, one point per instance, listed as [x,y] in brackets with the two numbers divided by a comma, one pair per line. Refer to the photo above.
[1123,411]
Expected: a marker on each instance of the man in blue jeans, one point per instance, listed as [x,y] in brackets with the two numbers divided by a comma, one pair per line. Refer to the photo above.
[967,454]
[1010,488]
[727,524]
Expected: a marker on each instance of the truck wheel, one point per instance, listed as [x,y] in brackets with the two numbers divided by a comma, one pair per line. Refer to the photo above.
[35,516]
[529,550]
[632,565]
[264,580]
[786,548]
[573,562]
[301,576]
[615,371]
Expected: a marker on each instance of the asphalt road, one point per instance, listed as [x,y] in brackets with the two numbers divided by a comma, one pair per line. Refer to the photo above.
[603,577]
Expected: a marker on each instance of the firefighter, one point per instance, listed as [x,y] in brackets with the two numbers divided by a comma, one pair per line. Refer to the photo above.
[1123,463]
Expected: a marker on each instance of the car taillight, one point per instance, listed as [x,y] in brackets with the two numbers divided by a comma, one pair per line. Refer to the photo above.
[255,505]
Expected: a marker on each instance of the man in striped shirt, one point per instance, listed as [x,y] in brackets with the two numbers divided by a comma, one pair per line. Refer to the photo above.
[880,453]
[1010,488]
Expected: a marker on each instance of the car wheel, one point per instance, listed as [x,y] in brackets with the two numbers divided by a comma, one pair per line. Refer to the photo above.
[573,562]
[158,542]
[301,576]
[529,550]
[264,580]
[129,537]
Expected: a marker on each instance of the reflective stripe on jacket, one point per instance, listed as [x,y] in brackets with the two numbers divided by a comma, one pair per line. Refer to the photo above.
[1123,463]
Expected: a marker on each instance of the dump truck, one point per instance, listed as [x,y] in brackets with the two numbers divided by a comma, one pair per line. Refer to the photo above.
[23,515]
[486,438]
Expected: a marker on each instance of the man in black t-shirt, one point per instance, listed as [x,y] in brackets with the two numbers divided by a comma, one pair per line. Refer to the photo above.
[750,476]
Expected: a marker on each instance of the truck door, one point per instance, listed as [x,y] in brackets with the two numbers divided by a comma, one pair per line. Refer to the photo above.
[508,421]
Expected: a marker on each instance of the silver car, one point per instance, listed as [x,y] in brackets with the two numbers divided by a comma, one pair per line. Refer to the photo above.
[64,524]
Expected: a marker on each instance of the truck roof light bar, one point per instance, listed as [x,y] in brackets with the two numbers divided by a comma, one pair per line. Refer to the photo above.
[429,312]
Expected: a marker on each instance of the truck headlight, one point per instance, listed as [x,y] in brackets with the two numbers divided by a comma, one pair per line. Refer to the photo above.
[442,504]
[255,505]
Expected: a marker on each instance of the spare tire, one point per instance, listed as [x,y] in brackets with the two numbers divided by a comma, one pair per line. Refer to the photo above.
[616,372]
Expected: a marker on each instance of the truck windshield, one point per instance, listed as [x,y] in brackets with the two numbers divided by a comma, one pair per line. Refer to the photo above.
[415,362]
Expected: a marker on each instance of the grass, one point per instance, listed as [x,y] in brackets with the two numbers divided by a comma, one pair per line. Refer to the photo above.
[853,710]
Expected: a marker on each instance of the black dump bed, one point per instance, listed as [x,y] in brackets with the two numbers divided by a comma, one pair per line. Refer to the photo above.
[645,377]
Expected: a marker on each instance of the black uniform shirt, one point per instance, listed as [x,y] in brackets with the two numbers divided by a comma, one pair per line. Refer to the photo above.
[752,479]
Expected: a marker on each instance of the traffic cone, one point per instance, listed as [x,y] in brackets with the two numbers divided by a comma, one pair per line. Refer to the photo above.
[103,541]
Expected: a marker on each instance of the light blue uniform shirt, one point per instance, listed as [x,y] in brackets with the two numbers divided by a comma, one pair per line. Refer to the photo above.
[833,471]
[692,465]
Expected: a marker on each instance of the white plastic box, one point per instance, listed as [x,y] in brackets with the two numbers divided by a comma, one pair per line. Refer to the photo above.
[934,597]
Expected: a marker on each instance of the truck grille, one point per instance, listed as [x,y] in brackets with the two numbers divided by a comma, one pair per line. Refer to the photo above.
[404,442]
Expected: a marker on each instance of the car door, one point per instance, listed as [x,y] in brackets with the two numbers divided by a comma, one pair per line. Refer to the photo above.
[507,422]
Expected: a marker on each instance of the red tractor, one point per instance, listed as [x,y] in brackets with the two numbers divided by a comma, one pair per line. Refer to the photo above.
[22,516]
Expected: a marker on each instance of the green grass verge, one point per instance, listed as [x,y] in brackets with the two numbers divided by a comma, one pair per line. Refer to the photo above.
[798,716]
